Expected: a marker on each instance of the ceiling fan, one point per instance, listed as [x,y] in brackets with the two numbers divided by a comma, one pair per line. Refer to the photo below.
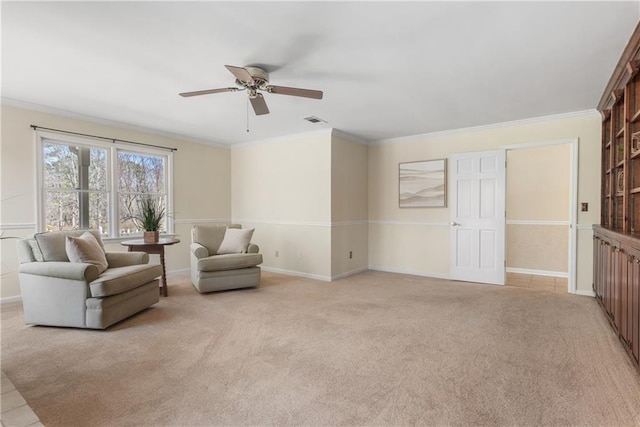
[253,80]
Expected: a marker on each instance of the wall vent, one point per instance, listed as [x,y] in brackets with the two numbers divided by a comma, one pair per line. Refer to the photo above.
[314,119]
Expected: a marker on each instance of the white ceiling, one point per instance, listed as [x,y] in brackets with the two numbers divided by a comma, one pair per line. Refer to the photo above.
[387,69]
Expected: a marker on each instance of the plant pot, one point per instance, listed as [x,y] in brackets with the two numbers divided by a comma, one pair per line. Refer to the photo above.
[151,236]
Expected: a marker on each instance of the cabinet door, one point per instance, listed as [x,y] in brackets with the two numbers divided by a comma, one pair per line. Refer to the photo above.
[618,278]
[634,284]
[623,317]
[609,279]
[598,267]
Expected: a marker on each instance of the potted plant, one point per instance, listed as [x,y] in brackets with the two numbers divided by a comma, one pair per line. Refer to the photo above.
[150,215]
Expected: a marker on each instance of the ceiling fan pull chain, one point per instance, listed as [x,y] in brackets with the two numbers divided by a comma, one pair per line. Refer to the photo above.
[247,115]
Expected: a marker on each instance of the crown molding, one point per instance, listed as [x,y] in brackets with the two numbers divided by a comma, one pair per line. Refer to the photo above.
[533,120]
[93,119]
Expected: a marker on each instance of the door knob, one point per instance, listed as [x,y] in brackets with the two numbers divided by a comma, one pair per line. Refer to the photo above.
[454,224]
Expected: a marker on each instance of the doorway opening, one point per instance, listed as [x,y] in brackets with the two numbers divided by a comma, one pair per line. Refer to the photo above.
[541,212]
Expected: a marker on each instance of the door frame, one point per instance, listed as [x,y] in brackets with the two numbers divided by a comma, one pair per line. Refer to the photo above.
[573,199]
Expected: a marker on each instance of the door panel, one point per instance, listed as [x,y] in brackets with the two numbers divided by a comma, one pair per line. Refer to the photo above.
[465,190]
[487,249]
[488,196]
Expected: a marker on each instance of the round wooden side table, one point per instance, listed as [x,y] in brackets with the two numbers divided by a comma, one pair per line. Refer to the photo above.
[139,245]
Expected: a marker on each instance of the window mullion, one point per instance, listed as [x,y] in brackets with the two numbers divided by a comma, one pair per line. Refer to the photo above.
[114,211]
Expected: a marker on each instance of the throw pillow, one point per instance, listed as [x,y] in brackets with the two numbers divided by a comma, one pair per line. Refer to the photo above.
[235,241]
[86,249]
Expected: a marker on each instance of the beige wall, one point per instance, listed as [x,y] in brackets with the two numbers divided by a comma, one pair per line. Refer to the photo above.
[538,185]
[315,197]
[201,180]
[306,196]
[349,231]
[282,188]
[417,240]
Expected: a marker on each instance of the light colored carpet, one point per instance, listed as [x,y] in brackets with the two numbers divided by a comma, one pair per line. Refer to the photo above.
[373,349]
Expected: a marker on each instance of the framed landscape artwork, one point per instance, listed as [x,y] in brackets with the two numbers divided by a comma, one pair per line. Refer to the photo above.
[423,184]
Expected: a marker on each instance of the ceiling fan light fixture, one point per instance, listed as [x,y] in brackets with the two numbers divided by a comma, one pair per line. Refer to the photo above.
[254,79]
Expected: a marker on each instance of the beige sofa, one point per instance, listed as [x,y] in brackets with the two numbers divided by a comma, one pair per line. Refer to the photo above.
[213,272]
[58,292]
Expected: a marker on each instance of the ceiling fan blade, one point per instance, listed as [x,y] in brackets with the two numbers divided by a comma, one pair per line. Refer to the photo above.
[208,91]
[259,105]
[294,91]
[241,73]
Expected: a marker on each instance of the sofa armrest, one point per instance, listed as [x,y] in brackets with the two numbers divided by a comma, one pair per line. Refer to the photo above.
[199,251]
[253,248]
[62,270]
[123,259]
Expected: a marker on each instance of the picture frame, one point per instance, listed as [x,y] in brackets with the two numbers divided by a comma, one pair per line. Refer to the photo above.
[422,184]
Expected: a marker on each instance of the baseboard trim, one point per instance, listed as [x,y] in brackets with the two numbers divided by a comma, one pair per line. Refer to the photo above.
[7,300]
[296,273]
[179,271]
[413,273]
[586,293]
[538,272]
[349,273]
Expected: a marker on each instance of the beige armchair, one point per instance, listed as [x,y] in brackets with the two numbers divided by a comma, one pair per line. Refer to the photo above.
[211,271]
[58,292]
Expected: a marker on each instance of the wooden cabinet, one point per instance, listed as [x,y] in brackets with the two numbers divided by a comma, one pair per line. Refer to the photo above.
[616,249]
[621,155]
[616,283]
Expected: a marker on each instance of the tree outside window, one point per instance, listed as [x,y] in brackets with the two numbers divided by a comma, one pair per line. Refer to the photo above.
[77,183]
[75,186]
[139,177]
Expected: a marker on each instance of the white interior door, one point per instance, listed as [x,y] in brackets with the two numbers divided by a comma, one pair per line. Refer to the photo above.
[477,195]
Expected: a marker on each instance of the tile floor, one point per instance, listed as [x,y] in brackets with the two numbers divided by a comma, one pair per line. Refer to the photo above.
[15,411]
[551,284]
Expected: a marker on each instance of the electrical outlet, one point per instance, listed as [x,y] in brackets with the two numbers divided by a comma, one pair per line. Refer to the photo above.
[585,207]
[350,254]
[277,254]
[300,254]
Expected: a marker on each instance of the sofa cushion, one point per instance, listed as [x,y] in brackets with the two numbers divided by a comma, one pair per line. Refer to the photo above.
[210,236]
[121,279]
[235,241]
[229,262]
[50,246]
[86,249]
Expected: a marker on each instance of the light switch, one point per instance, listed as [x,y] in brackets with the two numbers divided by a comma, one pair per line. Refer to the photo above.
[585,207]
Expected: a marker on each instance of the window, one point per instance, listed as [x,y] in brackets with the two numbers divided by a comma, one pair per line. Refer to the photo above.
[91,184]
[139,175]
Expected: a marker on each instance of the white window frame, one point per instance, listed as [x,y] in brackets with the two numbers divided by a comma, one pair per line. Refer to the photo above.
[42,137]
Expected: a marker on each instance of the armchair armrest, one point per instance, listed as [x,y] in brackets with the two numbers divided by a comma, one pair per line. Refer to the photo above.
[122,259]
[62,270]
[253,248]
[199,251]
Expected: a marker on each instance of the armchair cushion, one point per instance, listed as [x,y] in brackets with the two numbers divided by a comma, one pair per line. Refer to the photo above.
[122,259]
[235,241]
[50,246]
[86,249]
[121,279]
[61,270]
[229,262]
[199,251]
[210,236]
